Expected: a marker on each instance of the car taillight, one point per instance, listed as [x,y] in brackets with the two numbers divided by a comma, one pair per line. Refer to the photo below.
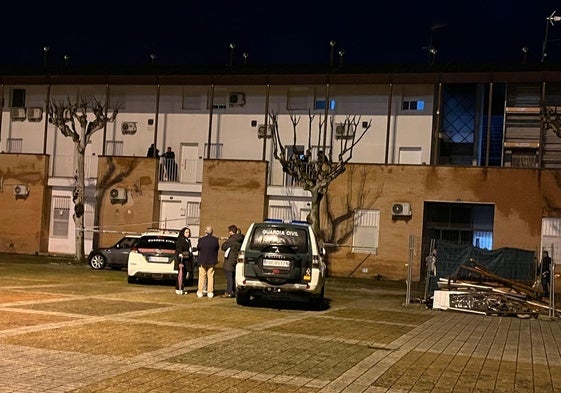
[315,261]
[241,257]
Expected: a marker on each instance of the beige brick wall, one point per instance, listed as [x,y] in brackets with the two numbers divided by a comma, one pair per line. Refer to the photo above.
[516,194]
[233,192]
[24,221]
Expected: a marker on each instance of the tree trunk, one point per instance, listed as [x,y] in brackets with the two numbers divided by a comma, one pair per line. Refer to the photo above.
[314,217]
[79,193]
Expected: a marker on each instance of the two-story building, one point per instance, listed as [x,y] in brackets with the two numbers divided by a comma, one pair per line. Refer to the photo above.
[454,155]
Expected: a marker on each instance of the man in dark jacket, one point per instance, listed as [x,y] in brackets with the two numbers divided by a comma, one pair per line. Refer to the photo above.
[231,248]
[208,257]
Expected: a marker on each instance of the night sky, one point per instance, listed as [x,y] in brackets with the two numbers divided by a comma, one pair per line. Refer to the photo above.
[275,33]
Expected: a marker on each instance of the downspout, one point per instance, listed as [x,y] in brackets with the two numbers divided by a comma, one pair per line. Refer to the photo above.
[388,122]
[210,122]
[46,128]
[542,127]
[156,117]
[267,93]
[436,130]
[489,113]
[1,112]
[325,124]
[107,103]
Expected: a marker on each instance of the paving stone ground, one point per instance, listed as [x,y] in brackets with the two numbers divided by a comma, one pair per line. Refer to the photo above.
[68,328]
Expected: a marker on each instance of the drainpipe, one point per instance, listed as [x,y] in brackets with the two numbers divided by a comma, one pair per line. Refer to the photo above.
[325,125]
[156,117]
[388,122]
[210,122]
[436,131]
[45,130]
[542,128]
[489,112]
[1,112]
[107,103]
[267,95]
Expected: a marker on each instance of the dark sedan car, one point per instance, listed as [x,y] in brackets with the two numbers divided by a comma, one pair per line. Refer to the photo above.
[116,256]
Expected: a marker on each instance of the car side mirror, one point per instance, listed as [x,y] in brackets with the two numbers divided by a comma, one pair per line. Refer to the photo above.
[322,251]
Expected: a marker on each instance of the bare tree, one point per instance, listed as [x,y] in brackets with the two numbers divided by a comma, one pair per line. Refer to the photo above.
[315,173]
[71,118]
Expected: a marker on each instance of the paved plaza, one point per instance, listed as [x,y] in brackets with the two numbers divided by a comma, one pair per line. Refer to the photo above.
[68,328]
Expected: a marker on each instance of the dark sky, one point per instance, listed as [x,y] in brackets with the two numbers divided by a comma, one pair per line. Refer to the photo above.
[273,33]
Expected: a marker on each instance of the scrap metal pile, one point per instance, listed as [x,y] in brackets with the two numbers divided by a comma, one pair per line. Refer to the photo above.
[475,289]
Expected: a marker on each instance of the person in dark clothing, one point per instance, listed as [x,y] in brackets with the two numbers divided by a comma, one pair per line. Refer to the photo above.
[170,165]
[545,271]
[153,152]
[183,260]
[231,248]
[208,247]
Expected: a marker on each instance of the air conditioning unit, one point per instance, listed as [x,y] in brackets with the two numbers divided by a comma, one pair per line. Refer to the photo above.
[343,131]
[21,190]
[237,99]
[17,114]
[128,127]
[402,209]
[261,131]
[118,195]
[34,114]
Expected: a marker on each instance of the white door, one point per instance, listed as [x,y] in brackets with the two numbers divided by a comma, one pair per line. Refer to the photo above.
[173,215]
[189,163]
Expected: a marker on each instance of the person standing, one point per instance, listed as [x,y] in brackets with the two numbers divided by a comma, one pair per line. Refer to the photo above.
[231,248]
[545,272]
[153,152]
[170,165]
[183,260]
[208,258]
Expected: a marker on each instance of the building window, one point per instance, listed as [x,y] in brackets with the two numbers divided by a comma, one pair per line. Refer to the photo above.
[215,150]
[297,99]
[366,231]
[17,98]
[280,213]
[114,148]
[320,104]
[413,105]
[14,145]
[192,99]
[193,213]
[61,216]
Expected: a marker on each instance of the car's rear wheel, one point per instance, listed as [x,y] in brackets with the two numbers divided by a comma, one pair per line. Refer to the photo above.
[317,300]
[131,279]
[97,262]
[243,297]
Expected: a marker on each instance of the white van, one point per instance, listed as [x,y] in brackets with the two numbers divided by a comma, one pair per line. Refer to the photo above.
[282,260]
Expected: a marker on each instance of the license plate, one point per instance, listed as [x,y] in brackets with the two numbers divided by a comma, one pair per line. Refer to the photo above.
[275,263]
[158,259]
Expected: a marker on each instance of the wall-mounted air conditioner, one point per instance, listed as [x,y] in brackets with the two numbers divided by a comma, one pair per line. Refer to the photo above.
[343,131]
[34,114]
[236,99]
[21,190]
[261,131]
[128,127]
[118,195]
[17,114]
[401,209]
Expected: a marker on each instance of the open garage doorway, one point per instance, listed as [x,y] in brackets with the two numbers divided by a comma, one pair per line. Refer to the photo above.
[464,223]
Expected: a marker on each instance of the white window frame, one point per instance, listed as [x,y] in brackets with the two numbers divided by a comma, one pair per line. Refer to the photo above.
[61,216]
[366,231]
